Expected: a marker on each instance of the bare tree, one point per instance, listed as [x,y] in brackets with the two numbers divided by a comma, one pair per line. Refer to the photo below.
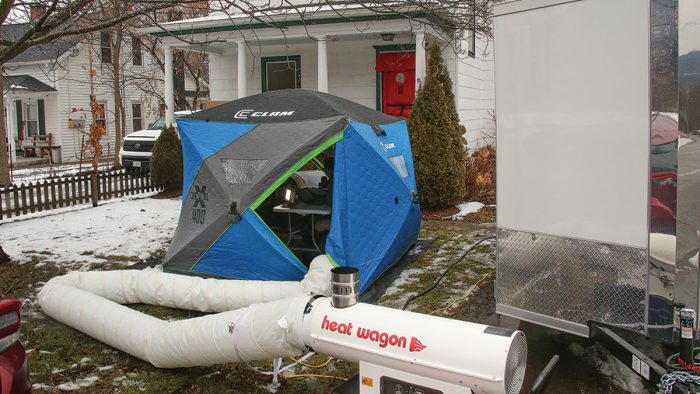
[59,18]
[452,19]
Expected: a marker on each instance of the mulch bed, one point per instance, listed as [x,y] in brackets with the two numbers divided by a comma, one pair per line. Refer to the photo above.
[438,214]
[165,194]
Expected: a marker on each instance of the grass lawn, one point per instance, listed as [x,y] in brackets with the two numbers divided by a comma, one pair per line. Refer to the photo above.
[61,358]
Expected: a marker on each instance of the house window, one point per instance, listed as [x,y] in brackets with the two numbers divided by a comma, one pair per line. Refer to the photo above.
[281,72]
[136,53]
[471,44]
[31,124]
[136,117]
[101,115]
[105,47]
[471,40]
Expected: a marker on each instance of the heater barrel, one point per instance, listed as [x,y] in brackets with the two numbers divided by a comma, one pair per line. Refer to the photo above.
[482,358]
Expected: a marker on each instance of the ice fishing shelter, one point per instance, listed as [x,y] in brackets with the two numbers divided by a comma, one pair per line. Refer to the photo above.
[237,155]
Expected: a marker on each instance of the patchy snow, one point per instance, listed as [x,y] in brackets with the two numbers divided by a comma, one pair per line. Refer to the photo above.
[467,208]
[126,229]
[33,174]
[620,374]
[41,386]
[78,383]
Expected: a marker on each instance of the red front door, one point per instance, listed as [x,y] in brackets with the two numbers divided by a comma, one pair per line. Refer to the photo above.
[398,76]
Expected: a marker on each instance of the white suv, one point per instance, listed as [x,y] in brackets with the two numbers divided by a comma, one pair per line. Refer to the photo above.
[137,146]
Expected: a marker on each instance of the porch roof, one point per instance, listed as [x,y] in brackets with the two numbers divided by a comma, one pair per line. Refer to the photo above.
[279,18]
[24,84]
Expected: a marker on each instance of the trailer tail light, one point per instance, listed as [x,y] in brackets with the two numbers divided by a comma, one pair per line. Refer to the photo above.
[9,323]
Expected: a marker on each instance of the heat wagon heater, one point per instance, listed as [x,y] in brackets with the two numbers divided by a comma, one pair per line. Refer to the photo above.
[399,352]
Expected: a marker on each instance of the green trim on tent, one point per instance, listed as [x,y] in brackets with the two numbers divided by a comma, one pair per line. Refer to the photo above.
[280,241]
[332,260]
[290,171]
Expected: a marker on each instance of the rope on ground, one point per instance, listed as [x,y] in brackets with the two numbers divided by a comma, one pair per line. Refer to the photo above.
[300,362]
[313,375]
[476,285]
[444,273]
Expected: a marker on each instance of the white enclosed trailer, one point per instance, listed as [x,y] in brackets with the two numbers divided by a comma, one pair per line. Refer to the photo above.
[598,169]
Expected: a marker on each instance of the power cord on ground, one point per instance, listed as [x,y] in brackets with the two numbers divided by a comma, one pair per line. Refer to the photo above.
[476,286]
[442,276]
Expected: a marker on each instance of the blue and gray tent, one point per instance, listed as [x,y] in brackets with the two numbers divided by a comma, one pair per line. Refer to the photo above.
[238,154]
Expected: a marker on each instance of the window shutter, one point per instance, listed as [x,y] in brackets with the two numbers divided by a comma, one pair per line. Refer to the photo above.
[42,118]
[18,109]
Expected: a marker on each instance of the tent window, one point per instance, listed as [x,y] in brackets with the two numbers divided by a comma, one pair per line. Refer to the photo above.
[399,164]
[241,171]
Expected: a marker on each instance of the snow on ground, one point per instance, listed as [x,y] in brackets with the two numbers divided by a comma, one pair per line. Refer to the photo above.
[133,228]
[467,208]
[78,383]
[619,373]
[684,141]
[33,174]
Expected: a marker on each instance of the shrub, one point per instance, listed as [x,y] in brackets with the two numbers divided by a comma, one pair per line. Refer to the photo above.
[480,180]
[436,138]
[166,160]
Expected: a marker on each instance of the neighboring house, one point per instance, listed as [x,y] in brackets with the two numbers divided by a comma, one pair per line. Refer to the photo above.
[201,91]
[47,90]
[375,59]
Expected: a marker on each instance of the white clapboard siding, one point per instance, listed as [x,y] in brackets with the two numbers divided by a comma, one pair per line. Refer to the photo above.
[475,94]
[74,97]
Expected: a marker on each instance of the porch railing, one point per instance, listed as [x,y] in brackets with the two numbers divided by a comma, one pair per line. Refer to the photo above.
[44,195]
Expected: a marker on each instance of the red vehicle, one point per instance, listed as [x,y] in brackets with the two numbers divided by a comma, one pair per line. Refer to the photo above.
[14,378]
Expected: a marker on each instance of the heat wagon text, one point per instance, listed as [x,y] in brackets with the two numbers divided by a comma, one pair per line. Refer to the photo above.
[383,339]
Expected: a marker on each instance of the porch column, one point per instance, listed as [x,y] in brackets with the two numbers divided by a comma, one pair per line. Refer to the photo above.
[420,59]
[169,89]
[322,64]
[241,71]
[11,126]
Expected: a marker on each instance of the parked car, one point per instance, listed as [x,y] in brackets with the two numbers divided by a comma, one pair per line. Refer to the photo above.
[14,378]
[137,147]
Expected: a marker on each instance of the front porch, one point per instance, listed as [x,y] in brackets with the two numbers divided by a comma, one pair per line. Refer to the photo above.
[338,56]
[30,118]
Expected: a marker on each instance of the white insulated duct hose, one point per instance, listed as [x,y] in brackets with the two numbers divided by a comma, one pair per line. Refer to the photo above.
[89,302]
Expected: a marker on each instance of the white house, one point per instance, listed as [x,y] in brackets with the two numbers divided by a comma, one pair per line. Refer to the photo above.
[375,59]
[47,90]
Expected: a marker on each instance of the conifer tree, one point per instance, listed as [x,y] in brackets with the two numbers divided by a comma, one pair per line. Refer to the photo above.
[166,160]
[436,139]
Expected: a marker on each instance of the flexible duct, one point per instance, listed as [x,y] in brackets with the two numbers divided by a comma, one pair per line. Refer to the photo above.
[465,355]
[89,302]
[193,293]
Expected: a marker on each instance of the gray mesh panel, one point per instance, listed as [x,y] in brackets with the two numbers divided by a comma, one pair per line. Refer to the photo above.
[571,279]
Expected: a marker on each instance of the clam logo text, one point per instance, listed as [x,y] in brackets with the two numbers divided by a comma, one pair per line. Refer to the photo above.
[251,113]
[388,146]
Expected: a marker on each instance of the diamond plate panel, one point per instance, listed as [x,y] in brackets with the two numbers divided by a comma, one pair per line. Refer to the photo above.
[573,280]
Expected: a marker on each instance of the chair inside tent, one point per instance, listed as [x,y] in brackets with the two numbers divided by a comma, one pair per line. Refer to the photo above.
[275,179]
